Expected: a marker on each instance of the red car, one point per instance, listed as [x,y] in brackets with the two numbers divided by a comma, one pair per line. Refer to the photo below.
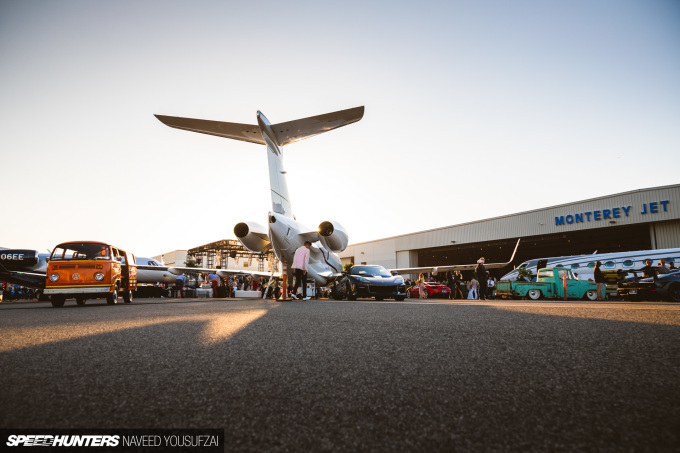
[432,289]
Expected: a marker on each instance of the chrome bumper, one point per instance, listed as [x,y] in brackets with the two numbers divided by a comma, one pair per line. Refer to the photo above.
[98,290]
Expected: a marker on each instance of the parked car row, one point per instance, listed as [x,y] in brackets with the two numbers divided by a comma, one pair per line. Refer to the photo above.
[665,287]
[551,283]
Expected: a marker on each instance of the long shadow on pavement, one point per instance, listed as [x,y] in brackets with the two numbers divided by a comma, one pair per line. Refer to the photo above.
[347,376]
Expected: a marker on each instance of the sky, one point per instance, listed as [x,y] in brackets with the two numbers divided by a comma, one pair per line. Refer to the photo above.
[474,109]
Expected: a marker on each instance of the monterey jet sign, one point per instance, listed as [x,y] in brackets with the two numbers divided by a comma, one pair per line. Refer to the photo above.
[653,207]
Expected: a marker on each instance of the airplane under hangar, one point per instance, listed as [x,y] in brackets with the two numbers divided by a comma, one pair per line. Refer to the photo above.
[637,220]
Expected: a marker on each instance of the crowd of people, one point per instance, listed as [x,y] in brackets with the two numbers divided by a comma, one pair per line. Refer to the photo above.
[481,285]
[12,292]
[224,287]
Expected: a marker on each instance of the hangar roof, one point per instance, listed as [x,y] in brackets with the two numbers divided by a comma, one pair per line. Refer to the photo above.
[654,204]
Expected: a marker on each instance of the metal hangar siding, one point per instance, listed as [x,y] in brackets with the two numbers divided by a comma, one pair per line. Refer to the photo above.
[635,220]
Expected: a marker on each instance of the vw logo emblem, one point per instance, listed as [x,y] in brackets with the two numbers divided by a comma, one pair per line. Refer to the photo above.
[75,276]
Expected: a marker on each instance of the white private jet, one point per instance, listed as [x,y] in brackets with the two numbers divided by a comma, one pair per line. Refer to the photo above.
[584,265]
[284,233]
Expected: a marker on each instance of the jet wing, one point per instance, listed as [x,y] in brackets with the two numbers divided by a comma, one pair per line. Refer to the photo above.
[311,236]
[455,267]
[27,279]
[296,130]
[224,273]
[244,132]
[204,270]
[331,276]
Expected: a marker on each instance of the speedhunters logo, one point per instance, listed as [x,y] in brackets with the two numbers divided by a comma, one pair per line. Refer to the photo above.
[112,440]
[46,440]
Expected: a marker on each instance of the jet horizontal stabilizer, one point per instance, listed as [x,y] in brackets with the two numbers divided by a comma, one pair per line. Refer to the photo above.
[244,132]
[296,130]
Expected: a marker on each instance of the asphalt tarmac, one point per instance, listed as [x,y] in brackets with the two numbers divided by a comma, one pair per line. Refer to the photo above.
[347,376]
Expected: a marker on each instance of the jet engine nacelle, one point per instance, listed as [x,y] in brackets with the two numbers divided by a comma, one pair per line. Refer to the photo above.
[253,236]
[18,258]
[333,236]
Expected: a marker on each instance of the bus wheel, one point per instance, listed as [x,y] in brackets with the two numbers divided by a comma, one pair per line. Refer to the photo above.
[58,300]
[112,298]
[80,300]
[127,296]
[534,294]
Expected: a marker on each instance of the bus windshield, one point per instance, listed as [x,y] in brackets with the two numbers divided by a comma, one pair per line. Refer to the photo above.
[81,251]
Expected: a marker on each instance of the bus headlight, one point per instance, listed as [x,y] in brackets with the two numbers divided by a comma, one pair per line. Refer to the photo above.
[99,276]
[54,277]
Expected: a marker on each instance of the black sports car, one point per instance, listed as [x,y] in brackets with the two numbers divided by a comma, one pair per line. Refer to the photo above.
[370,281]
[665,287]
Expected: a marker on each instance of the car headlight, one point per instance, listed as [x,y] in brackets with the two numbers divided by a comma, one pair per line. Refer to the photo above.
[361,279]
[99,276]
[399,280]
[54,277]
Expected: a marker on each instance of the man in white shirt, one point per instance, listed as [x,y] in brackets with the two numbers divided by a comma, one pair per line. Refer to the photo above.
[300,261]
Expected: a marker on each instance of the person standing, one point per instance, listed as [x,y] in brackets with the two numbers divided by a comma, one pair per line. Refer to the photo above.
[482,276]
[300,262]
[472,289]
[451,283]
[599,280]
[421,286]
[457,279]
[490,285]
[648,270]
[179,285]
[214,281]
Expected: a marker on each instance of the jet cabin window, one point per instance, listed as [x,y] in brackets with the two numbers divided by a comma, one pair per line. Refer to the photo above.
[81,251]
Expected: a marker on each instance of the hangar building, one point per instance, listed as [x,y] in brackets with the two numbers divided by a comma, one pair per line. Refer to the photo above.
[636,220]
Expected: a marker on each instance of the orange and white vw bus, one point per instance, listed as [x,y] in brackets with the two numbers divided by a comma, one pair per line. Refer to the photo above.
[90,270]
